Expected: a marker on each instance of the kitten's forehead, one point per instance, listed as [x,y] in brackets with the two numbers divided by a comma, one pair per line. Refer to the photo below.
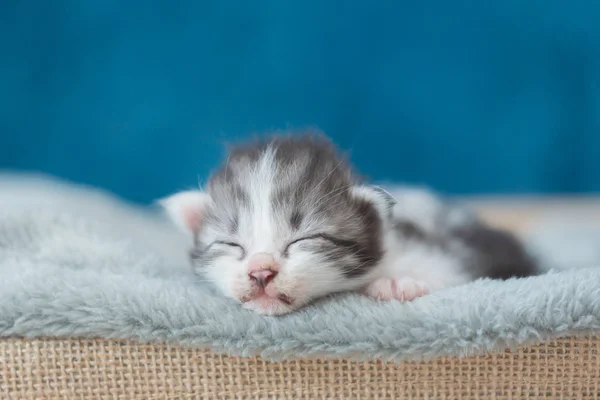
[293,175]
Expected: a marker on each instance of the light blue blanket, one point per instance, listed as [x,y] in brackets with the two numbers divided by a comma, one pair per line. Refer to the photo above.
[77,263]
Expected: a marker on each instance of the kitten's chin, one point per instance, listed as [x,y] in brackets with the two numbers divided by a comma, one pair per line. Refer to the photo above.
[266,305]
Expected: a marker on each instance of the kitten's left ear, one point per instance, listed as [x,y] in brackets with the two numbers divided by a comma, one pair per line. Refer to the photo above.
[186,209]
[383,201]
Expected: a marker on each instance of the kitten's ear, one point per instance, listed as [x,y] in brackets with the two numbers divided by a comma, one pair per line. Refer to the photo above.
[186,208]
[383,201]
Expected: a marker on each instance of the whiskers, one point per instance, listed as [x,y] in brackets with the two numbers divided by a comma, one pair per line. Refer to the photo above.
[328,197]
[318,185]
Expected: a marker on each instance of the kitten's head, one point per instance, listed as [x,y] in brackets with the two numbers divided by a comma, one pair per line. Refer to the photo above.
[283,222]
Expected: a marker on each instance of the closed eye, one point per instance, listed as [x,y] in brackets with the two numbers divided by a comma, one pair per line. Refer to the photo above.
[231,244]
[323,236]
[228,244]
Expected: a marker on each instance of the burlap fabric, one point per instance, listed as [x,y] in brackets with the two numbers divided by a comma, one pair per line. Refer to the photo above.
[566,368]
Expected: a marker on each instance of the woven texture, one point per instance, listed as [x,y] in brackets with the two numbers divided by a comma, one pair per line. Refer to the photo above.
[103,369]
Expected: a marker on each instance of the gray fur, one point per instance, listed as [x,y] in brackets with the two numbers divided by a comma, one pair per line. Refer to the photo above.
[495,253]
[313,184]
[76,263]
[484,251]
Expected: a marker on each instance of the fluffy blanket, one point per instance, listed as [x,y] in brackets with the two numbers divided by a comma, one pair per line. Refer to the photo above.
[77,262]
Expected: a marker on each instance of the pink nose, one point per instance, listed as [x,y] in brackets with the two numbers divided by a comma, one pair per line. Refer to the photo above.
[262,268]
[263,277]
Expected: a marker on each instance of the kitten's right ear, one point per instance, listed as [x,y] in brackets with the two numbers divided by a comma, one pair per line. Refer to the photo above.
[186,208]
[383,201]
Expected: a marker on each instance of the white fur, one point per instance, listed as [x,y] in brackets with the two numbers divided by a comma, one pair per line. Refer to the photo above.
[263,223]
[414,262]
[427,268]
[418,206]
[422,207]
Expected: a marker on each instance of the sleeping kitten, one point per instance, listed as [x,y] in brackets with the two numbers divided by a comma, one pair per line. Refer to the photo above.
[286,221]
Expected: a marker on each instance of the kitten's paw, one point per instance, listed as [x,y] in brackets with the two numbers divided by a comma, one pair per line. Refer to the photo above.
[405,289]
[408,289]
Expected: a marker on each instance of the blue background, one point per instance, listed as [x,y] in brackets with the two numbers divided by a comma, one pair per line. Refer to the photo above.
[468,97]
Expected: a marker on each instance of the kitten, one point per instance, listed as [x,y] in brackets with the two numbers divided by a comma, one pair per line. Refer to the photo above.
[286,220]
